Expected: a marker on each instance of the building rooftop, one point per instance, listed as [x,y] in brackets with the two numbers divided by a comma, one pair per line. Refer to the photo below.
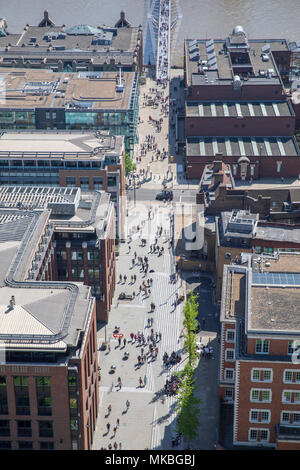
[276,233]
[265,291]
[238,109]
[84,91]
[242,146]
[44,315]
[274,308]
[217,61]
[101,43]
[60,144]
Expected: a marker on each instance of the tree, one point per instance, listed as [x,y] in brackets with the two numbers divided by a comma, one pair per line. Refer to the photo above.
[130,166]
[190,324]
[187,422]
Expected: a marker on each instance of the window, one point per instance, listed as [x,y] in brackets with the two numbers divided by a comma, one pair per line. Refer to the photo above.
[24,428]
[261,395]
[229,374]
[253,435]
[46,445]
[286,397]
[230,336]
[5,445]
[262,375]
[45,429]
[288,376]
[228,393]
[252,168]
[229,354]
[258,435]
[264,434]
[254,414]
[25,445]
[285,417]
[262,346]
[4,427]
[292,347]
[296,418]
[260,416]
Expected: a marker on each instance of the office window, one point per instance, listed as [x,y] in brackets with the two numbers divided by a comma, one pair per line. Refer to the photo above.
[260,395]
[229,374]
[254,416]
[296,418]
[4,428]
[288,376]
[24,428]
[230,336]
[292,347]
[45,429]
[260,416]
[229,354]
[46,445]
[285,417]
[264,434]
[5,445]
[25,445]
[253,435]
[262,346]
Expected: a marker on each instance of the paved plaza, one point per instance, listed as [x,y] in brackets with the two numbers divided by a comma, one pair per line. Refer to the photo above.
[149,423]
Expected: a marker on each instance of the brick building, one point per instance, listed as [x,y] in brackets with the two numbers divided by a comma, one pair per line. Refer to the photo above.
[236,106]
[49,373]
[259,372]
[83,241]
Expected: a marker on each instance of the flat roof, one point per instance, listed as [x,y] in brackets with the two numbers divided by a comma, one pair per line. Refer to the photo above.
[41,88]
[274,308]
[275,233]
[37,144]
[46,315]
[238,109]
[124,39]
[208,61]
[242,146]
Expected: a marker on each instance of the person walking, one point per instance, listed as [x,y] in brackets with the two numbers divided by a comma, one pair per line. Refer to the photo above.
[119,383]
[141,381]
[124,342]
[145,381]
[108,427]
[127,405]
[109,409]
[115,431]
[115,445]
[119,341]
[125,279]
[118,423]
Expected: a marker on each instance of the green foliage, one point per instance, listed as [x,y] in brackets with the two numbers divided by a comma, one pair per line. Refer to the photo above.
[130,166]
[187,422]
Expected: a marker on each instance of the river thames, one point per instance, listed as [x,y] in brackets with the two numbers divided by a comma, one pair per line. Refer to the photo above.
[200,18]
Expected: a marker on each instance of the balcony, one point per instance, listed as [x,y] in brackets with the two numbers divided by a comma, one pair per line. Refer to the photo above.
[287,433]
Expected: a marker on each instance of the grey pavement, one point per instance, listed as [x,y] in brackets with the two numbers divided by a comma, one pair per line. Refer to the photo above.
[150,421]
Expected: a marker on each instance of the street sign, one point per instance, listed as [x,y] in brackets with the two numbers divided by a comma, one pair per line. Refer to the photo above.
[118,335]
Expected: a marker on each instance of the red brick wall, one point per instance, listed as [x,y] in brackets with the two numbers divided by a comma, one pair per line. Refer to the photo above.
[276,406]
[226,92]
[233,126]
[60,405]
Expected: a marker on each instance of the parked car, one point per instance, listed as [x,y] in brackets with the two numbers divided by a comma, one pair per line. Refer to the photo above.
[167,195]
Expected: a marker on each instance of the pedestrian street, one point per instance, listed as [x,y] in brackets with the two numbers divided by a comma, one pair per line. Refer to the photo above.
[149,422]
